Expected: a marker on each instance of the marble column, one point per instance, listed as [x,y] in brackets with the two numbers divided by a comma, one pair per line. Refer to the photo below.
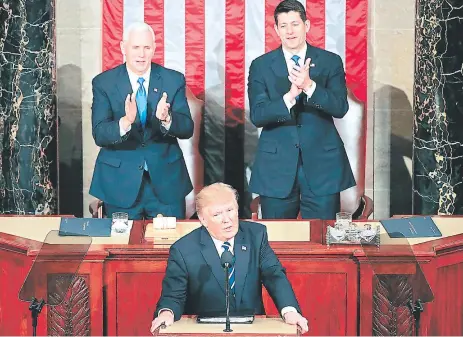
[438,106]
[28,159]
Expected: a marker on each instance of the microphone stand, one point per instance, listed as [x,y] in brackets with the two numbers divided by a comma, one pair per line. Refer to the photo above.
[416,309]
[35,308]
[227,300]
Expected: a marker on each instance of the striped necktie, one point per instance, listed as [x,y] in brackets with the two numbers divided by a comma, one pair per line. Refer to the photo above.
[231,275]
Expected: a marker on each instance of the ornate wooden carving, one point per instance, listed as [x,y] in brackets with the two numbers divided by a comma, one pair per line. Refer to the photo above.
[391,316]
[72,316]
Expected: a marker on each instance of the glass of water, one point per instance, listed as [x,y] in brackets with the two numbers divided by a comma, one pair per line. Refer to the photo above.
[343,220]
[120,222]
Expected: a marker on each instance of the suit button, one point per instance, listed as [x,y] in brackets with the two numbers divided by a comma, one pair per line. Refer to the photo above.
[143,144]
[297,146]
[299,126]
[140,167]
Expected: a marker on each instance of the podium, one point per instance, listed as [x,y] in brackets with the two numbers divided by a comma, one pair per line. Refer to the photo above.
[262,326]
[338,288]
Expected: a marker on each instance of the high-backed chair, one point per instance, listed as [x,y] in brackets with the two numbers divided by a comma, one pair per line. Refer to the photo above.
[352,129]
[193,160]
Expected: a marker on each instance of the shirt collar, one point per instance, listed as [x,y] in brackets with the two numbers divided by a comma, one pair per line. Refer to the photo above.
[134,77]
[218,244]
[301,54]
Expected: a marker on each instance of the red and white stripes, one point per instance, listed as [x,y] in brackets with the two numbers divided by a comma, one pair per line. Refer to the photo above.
[214,41]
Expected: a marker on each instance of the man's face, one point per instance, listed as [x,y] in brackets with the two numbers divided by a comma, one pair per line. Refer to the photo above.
[221,218]
[138,51]
[292,31]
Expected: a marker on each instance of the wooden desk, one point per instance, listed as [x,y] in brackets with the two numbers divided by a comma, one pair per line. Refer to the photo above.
[262,326]
[119,284]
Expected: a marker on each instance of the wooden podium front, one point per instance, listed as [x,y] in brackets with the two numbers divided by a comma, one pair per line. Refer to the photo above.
[262,326]
[119,281]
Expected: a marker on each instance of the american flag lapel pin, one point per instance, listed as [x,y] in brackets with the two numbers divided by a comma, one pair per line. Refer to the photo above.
[243,247]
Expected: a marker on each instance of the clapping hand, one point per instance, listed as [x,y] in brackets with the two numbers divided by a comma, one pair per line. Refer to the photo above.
[162,111]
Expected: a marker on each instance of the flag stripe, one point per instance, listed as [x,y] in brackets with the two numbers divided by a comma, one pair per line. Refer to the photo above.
[133,12]
[174,35]
[234,61]
[112,33]
[255,46]
[316,16]
[272,40]
[356,47]
[195,46]
[154,16]
[335,30]
[215,89]
[234,94]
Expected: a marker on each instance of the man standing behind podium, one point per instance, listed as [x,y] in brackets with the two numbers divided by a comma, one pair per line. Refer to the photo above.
[139,110]
[194,280]
[295,91]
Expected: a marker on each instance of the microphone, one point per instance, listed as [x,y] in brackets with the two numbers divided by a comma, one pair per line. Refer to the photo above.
[226,260]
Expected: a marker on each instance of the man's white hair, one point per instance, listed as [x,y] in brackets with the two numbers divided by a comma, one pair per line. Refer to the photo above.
[137,27]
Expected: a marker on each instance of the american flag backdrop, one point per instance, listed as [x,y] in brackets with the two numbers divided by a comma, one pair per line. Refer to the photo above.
[213,43]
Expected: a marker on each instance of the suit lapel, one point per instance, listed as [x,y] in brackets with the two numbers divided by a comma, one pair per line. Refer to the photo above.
[124,87]
[123,84]
[212,258]
[313,54]
[154,89]
[242,250]
[154,94]
[280,69]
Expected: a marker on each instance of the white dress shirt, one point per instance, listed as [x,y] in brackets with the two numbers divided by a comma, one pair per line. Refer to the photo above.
[290,64]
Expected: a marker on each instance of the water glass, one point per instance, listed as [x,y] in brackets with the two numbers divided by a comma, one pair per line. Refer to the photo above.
[343,220]
[120,222]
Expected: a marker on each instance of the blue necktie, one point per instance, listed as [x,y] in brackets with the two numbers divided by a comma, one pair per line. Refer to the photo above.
[296,59]
[142,102]
[231,275]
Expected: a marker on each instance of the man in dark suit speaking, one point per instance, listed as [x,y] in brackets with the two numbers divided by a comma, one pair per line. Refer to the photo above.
[194,280]
[295,91]
[139,110]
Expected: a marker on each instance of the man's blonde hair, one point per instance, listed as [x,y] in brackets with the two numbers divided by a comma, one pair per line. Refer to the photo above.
[210,193]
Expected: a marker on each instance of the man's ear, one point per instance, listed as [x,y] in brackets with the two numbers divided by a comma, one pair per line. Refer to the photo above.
[307,26]
[122,47]
[201,219]
[276,29]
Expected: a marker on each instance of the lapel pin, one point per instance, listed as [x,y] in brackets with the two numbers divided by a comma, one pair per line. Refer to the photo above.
[155,89]
[243,247]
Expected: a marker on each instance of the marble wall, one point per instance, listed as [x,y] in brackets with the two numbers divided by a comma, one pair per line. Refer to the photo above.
[438,120]
[28,157]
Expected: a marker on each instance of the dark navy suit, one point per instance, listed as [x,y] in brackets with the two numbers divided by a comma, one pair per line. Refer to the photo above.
[194,283]
[119,170]
[304,144]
